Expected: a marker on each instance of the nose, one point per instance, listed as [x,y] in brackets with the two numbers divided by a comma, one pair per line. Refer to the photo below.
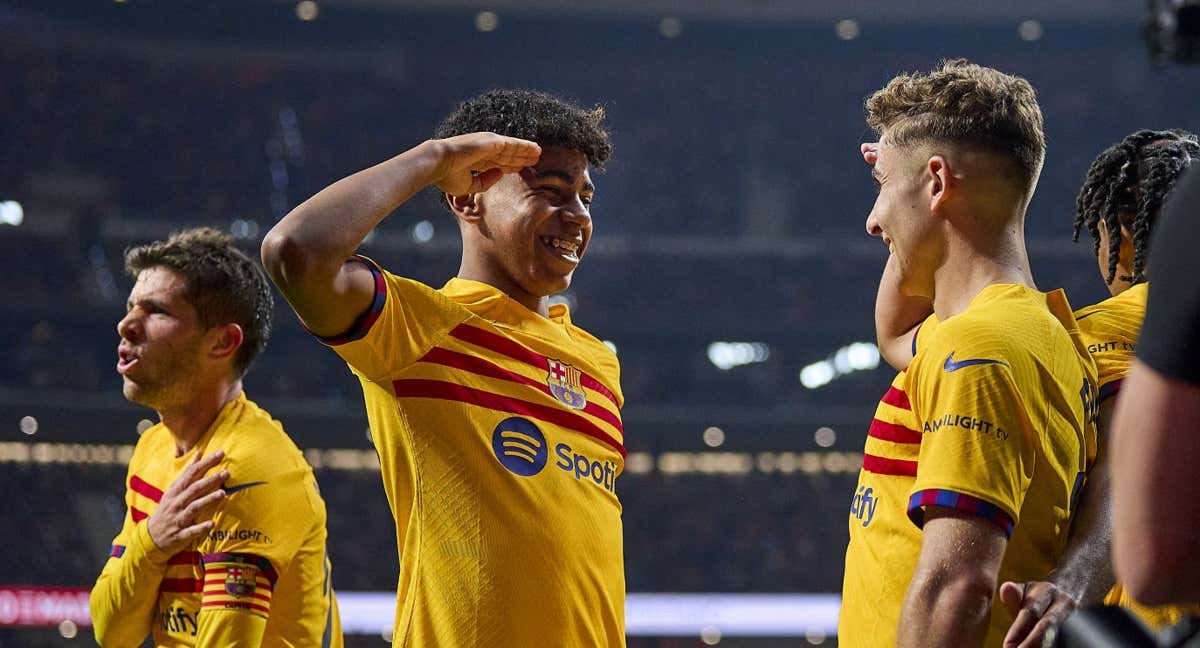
[873,227]
[576,212]
[128,326]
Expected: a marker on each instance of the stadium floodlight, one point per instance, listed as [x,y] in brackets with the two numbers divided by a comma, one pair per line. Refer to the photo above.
[859,356]
[727,355]
[1172,31]
[11,213]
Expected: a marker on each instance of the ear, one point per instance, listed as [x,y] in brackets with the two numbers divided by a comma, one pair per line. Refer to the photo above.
[941,182]
[225,340]
[468,207]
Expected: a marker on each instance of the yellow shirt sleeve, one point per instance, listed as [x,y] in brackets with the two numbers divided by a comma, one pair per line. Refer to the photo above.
[977,448]
[406,319]
[123,599]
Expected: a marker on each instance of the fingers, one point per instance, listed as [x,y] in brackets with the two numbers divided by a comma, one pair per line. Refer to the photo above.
[202,506]
[1020,629]
[1047,627]
[194,533]
[200,465]
[203,487]
[1011,594]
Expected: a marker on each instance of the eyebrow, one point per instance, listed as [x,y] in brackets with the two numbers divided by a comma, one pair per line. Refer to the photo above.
[148,301]
[564,176]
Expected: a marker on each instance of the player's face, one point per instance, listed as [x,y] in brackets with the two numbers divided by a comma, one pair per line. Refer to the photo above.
[901,215]
[162,341]
[537,223]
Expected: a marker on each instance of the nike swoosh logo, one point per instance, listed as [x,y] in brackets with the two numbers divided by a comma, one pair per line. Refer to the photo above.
[1087,315]
[230,490]
[952,365]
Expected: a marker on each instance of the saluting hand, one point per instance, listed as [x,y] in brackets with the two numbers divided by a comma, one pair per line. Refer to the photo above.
[474,162]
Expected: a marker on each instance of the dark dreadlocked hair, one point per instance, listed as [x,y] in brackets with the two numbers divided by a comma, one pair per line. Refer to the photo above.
[1127,186]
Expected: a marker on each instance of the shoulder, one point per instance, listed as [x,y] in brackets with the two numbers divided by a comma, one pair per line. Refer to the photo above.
[257,448]
[1120,316]
[602,357]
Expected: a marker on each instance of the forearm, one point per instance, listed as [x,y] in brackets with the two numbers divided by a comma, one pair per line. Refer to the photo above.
[230,629]
[949,608]
[123,599]
[1085,569]
[316,237]
[896,318]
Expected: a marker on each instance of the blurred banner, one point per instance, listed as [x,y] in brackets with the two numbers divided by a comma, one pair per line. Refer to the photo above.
[646,615]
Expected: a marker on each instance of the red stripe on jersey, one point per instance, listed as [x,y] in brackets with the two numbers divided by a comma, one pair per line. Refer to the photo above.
[222,592]
[519,352]
[885,466]
[251,606]
[896,398]
[139,486]
[185,558]
[177,585]
[482,367]
[416,388]
[893,432]
[137,515]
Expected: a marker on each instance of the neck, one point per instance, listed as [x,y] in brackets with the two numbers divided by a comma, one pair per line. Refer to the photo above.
[476,271]
[965,274]
[188,422]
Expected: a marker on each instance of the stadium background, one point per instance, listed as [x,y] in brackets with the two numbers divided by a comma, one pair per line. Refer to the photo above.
[730,268]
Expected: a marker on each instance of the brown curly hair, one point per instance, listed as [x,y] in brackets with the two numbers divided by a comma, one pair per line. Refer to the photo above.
[223,283]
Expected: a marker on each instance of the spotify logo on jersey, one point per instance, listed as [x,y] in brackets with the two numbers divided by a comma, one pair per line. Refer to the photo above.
[520,446]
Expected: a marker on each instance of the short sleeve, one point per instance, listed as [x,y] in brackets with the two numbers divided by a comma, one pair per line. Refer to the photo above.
[405,320]
[977,454]
[1170,341]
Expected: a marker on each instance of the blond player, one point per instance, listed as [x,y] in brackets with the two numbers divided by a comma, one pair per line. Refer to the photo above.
[224,539]
[1001,392]
[497,420]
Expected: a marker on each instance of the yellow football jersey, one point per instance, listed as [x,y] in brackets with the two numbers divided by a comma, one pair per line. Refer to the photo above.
[884,543]
[500,440]
[1110,329]
[262,571]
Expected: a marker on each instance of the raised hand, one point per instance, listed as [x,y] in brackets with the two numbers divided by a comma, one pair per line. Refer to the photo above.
[474,162]
[173,527]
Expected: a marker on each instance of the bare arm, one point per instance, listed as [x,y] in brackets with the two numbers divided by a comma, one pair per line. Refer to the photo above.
[949,601]
[1156,448]
[1084,573]
[306,252]
[897,318]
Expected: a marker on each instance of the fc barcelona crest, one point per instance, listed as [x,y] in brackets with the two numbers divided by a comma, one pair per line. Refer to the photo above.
[239,581]
[566,384]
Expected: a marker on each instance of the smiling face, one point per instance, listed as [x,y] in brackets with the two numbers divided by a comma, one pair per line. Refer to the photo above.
[528,233]
[162,341]
[902,214]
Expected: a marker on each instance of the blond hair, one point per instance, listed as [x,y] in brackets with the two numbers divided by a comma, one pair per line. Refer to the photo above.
[967,105]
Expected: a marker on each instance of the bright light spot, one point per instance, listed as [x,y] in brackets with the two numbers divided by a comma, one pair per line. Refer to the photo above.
[815,637]
[119,1]
[422,232]
[487,21]
[244,229]
[825,437]
[862,356]
[1030,30]
[710,635]
[307,10]
[727,355]
[143,425]
[714,437]
[612,346]
[817,374]
[11,213]
[68,629]
[847,29]
[29,425]
[387,635]
[670,27]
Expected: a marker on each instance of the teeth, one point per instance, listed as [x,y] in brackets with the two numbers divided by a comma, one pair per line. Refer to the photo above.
[567,246]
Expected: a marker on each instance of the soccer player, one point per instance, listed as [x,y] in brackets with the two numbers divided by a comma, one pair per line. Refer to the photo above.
[224,540]
[1000,396]
[1155,426]
[497,420]
[1126,187]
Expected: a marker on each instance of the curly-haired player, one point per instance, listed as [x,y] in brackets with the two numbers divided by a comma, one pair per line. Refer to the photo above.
[496,419]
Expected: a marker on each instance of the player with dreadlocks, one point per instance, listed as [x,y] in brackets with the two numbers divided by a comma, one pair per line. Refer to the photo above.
[1120,200]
